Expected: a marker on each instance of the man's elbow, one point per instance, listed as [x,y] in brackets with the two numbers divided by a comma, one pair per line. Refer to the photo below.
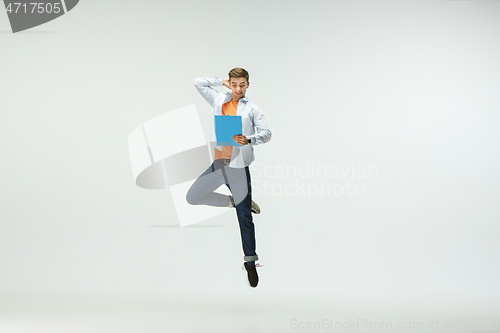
[269,135]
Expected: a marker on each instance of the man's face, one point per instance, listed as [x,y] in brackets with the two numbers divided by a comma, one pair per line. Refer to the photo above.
[239,86]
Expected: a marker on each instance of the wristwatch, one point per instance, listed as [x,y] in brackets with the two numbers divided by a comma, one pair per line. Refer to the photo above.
[249,140]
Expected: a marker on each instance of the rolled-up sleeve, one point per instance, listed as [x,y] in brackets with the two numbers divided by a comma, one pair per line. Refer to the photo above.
[263,133]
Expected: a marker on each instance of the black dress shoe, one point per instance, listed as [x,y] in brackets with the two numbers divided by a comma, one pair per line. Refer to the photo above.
[253,278]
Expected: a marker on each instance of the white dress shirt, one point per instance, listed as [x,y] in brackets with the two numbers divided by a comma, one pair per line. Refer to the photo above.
[252,119]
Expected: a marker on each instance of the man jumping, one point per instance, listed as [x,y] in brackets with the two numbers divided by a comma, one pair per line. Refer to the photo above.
[230,165]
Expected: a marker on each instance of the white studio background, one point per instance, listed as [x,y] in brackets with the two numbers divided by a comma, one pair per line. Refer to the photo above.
[407,90]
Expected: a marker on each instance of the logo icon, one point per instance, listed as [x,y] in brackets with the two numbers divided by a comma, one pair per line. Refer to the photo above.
[25,14]
[169,152]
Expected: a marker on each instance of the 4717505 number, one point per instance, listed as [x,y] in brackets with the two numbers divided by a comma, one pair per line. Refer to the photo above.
[34,7]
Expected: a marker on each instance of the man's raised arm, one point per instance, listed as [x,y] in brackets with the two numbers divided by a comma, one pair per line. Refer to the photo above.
[204,86]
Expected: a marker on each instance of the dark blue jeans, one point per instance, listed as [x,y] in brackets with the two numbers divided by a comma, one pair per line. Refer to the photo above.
[238,181]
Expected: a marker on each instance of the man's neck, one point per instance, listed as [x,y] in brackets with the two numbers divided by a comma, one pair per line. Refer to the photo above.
[237,99]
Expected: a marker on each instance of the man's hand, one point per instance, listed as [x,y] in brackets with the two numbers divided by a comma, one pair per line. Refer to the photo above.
[225,83]
[241,139]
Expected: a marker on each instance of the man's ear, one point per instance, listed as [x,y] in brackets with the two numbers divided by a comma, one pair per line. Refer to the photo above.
[248,84]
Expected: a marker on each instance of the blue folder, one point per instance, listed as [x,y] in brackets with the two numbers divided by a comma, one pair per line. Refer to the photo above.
[225,128]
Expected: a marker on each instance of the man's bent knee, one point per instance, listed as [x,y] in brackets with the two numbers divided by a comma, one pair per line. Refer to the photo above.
[191,198]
